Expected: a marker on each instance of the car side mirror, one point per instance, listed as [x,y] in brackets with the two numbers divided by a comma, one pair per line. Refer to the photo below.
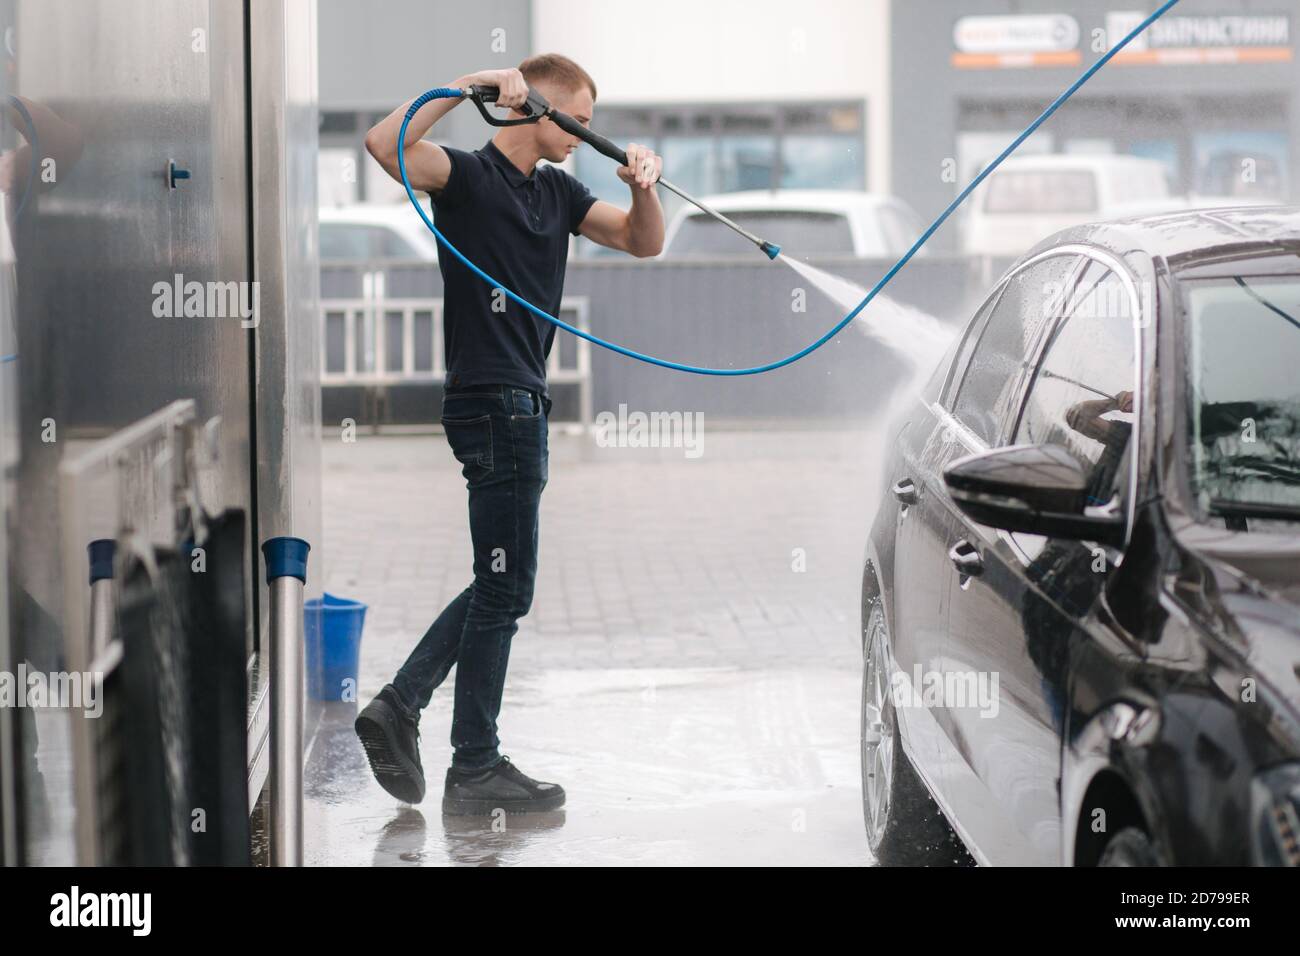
[1036,489]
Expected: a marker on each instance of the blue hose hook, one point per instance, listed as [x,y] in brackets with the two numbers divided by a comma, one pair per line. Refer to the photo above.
[611,150]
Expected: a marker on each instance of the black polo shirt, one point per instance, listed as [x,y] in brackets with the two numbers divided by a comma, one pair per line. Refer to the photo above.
[516,228]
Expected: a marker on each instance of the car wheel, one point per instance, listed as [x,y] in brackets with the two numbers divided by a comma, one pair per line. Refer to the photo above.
[904,825]
[1130,847]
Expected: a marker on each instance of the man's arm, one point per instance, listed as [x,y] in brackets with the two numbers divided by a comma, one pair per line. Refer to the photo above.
[427,165]
[638,231]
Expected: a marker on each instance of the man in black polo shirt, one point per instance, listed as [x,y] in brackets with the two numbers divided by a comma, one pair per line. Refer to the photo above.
[513,219]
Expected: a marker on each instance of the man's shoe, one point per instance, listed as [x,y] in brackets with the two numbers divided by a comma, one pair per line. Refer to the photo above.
[391,737]
[503,787]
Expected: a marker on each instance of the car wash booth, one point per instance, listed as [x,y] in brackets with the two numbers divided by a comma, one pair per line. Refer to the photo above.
[160,427]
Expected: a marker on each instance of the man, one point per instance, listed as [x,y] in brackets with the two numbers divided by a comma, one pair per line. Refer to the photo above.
[513,219]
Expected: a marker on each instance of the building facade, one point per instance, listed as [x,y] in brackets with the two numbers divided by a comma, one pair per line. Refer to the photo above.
[1209,91]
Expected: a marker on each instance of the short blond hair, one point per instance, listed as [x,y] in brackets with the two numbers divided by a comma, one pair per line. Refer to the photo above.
[557,69]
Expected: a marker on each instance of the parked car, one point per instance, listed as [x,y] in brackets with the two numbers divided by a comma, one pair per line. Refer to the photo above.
[1030,197]
[1081,592]
[365,231]
[807,222]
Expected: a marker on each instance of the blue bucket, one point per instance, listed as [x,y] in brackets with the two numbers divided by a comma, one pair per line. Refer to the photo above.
[332,634]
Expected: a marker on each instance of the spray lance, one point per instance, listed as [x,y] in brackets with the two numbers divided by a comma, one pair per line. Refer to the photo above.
[536,108]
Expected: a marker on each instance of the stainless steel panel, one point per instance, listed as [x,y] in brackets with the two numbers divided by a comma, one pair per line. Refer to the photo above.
[116,89]
[287,401]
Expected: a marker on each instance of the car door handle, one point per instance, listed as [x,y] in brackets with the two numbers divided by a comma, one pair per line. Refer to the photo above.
[905,491]
[966,559]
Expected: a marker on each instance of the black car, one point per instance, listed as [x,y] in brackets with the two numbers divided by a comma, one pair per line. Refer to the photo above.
[1081,592]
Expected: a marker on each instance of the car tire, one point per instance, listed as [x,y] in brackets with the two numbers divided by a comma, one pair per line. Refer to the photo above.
[1130,847]
[905,827]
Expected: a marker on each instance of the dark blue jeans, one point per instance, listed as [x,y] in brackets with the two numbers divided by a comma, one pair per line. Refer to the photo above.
[498,434]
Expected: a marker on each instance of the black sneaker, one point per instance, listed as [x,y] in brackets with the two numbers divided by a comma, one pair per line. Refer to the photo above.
[503,787]
[391,737]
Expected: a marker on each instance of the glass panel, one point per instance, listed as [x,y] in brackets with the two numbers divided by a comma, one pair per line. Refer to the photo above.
[1032,297]
[970,337]
[1082,395]
[822,162]
[746,162]
[335,342]
[1242,163]
[393,342]
[422,334]
[1242,352]
[1166,152]
[364,334]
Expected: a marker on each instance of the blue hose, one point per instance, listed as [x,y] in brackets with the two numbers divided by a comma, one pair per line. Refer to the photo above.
[449,92]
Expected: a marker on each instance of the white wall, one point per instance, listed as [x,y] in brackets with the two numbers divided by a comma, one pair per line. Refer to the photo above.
[675,51]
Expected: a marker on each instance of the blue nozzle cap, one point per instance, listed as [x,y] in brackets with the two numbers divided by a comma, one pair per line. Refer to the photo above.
[101,559]
[772,250]
[285,557]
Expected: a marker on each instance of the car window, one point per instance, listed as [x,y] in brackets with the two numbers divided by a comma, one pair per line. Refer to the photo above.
[1241,351]
[1041,191]
[1081,396]
[1032,297]
[811,233]
[965,346]
[389,244]
[340,240]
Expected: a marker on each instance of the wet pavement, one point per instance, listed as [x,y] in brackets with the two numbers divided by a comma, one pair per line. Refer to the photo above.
[689,671]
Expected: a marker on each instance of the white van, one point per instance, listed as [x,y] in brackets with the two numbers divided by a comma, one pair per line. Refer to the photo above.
[1031,197]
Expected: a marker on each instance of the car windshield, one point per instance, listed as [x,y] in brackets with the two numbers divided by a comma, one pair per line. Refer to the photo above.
[1041,191]
[1242,367]
[811,233]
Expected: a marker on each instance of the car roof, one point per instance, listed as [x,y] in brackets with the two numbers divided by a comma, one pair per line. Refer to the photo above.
[1186,236]
[815,200]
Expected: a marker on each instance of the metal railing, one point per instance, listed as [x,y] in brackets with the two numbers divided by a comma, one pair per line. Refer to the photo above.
[372,338]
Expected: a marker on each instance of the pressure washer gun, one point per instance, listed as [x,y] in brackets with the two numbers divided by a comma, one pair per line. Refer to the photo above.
[536,108]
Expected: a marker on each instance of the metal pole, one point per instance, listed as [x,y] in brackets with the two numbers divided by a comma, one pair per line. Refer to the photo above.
[286,574]
[102,611]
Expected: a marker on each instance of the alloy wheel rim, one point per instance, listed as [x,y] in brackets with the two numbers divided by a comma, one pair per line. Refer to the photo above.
[877,732]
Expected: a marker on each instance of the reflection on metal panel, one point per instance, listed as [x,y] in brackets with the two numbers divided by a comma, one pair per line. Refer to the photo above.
[98,252]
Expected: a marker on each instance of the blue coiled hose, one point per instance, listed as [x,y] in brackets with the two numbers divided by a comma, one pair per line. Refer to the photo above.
[449,92]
